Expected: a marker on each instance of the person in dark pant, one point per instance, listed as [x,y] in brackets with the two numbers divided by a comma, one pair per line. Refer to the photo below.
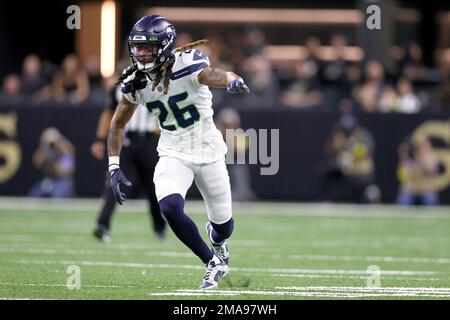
[138,156]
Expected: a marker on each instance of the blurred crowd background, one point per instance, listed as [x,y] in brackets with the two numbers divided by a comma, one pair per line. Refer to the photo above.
[297,65]
[314,82]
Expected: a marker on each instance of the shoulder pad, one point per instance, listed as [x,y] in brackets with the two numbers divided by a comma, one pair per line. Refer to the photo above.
[193,56]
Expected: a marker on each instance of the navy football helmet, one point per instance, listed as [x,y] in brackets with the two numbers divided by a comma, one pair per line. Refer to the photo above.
[154,30]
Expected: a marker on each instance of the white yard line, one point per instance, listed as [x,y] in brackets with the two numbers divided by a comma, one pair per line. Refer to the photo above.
[326,292]
[197,294]
[445,291]
[316,291]
[306,293]
[238,269]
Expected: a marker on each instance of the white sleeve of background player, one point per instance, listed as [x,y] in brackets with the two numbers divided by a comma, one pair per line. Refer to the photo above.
[196,61]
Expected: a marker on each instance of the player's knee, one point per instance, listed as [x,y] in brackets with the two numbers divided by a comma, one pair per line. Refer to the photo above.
[172,205]
[225,229]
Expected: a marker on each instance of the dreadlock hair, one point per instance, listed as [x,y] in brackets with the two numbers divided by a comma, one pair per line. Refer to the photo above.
[166,69]
[191,45]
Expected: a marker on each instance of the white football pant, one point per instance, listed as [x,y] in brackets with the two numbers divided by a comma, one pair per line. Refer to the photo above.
[175,176]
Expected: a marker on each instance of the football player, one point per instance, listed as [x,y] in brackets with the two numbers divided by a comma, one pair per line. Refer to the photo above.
[174,85]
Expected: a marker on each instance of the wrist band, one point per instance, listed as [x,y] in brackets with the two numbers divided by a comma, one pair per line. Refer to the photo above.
[113,163]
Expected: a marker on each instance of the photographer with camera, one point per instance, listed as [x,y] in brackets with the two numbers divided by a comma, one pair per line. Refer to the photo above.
[55,158]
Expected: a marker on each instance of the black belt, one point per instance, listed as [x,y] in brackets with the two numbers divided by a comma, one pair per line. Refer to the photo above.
[134,135]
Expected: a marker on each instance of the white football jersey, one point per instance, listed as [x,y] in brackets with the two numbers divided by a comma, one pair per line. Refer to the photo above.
[185,112]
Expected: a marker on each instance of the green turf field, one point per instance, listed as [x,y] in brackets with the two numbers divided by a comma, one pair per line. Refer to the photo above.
[278,251]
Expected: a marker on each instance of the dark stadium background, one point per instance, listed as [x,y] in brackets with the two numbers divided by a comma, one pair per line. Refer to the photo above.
[36,28]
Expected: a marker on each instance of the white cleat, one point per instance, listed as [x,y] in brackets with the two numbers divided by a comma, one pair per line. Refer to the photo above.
[220,250]
[215,269]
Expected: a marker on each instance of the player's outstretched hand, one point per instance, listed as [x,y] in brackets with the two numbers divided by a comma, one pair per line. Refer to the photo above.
[237,86]
[117,177]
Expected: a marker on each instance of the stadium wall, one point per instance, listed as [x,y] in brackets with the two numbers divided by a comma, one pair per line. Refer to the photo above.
[302,139]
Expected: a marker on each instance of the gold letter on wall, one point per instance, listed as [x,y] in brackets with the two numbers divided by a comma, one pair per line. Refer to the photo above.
[438,130]
[10,151]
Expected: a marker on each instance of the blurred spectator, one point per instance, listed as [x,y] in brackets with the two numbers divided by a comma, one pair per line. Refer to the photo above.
[240,180]
[55,158]
[233,51]
[417,168]
[215,50]
[254,42]
[348,173]
[71,83]
[411,66]
[261,79]
[402,99]
[312,46]
[92,67]
[304,91]
[408,101]
[370,93]
[389,100]
[352,78]
[313,59]
[285,71]
[334,70]
[217,53]
[32,79]
[11,90]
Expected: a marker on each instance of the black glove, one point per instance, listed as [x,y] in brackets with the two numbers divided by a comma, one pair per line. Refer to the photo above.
[237,86]
[117,177]
[132,79]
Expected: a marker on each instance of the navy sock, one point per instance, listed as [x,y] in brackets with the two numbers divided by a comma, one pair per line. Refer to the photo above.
[223,231]
[183,227]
